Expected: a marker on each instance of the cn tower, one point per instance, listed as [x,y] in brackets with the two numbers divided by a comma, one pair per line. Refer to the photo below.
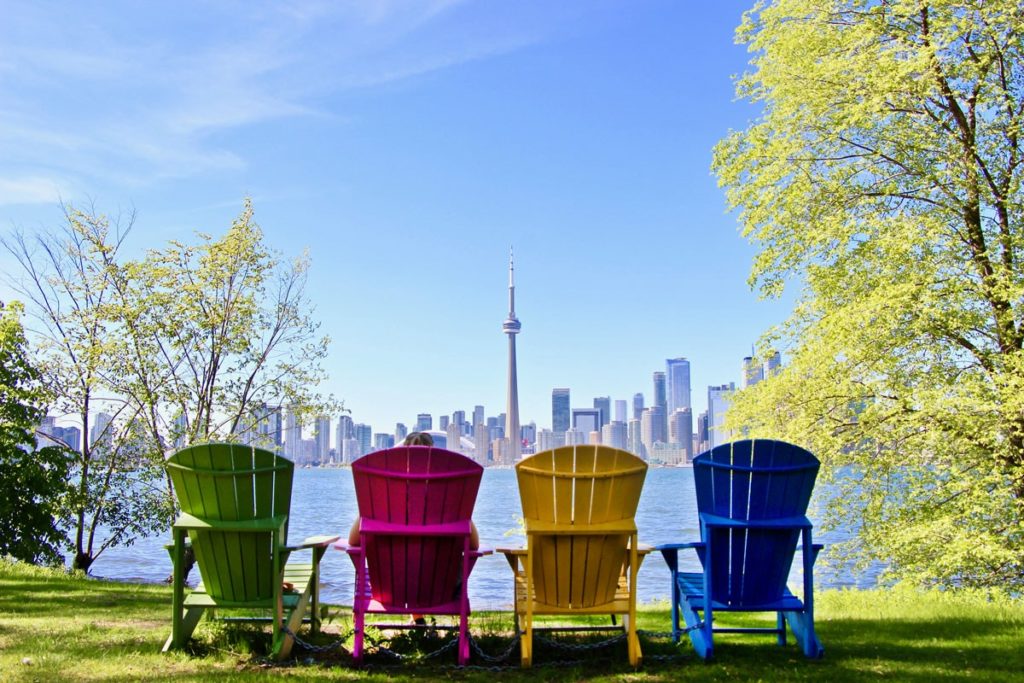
[511,328]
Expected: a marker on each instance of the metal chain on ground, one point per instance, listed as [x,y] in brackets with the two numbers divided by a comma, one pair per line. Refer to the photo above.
[494,659]
[320,649]
[378,647]
[668,634]
[582,647]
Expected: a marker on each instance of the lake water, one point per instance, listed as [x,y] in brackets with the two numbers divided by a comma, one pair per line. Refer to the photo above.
[323,502]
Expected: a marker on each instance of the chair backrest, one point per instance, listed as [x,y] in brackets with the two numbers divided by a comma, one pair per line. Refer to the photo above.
[576,488]
[415,487]
[753,480]
[224,482]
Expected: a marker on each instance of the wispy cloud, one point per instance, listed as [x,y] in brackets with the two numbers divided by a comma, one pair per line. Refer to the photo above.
[30,190]
[137,92]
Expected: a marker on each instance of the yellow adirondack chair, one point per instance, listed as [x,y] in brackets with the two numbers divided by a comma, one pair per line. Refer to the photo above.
[581,556]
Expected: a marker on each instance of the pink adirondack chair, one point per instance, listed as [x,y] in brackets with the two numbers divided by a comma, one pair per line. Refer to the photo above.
[414,556]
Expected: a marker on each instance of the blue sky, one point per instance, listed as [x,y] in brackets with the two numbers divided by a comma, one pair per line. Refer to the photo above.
[407,145]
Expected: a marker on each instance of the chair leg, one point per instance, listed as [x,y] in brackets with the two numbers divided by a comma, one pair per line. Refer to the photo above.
[632,640]
[700,636]
[803,629]
[189,620]
[780,623]
[359,622]
[526,646]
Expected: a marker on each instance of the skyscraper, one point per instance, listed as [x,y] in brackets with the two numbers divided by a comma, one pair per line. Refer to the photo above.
[620,412]
[660,400]
[322,435]
[677,375]
[424,422]
[478,415]
[680,431]
[342,433]
[719,399]
[604,404]
[773,364]
[559,411]
[292,436]
[638,406]
[511,327]
[752,372]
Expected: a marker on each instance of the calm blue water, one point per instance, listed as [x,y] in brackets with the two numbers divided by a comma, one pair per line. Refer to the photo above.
[323,502]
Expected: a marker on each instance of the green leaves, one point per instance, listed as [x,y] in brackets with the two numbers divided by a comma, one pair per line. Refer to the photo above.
[32,480]
[885,176]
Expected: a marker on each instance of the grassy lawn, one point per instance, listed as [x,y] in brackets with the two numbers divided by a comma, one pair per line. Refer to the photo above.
[55,627]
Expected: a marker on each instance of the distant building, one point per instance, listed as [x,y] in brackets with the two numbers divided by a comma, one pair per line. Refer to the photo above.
[454,434]
[560,413]
[620,412]
[545,440]
[481,439]
[773,365]
[615,434]
[680,431]
[364,435]
[322,437]
[350,450]
[478,415]
[638,405]
[634,441]
[661,399]
[604,404]
[586,420]
[752,372]
[101,429]
[677,376]
[719,399]
[292,436]
[424,422]
[442,423]
[401,431]
[574,437]
[344,431]
[652,428]
[383,441]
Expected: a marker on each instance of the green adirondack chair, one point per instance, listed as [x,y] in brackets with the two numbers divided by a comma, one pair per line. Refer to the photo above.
[234,511]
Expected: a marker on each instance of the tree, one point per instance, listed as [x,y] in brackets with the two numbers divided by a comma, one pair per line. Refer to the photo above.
[883,179]
[187,344]
[32,480]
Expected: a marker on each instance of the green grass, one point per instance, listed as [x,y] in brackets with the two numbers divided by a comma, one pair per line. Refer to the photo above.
[66,628]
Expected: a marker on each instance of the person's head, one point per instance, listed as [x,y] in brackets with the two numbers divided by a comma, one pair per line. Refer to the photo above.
[419,439]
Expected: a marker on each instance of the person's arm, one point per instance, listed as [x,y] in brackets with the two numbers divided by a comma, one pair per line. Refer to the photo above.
[474,536]
[353,533]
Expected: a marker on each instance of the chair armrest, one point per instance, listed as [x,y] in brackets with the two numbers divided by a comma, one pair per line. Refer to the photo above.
[511,551]
[313,542]
[643,549]
[480,552]
[679,546]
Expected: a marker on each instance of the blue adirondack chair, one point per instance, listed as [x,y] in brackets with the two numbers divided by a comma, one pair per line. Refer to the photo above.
[752,501]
